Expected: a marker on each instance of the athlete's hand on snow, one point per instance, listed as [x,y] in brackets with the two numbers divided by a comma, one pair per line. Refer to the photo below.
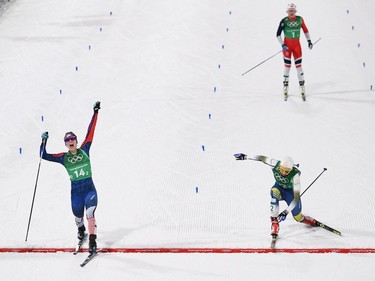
[44,136]
[282,216]
[240,156]
[285,48]
[310,44]
[97,106]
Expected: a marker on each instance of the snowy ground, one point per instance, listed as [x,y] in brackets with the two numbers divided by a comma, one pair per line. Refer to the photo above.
[154,65]
[171,267]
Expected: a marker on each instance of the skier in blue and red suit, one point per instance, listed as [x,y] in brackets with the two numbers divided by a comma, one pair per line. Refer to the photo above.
[77,163]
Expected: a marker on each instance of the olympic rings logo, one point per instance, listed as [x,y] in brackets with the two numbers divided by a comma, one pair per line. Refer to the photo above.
[293,24]
[75,158]
[281,178]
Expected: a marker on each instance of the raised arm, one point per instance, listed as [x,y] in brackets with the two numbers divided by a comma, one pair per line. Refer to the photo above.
[90,132]
[58,158]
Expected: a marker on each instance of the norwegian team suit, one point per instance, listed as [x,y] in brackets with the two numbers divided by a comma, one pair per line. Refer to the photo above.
[83,192]
[292,31]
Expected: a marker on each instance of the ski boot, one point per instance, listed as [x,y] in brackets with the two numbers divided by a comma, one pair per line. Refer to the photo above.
[285,89]
[302,89]
[274,227]
[81,233]
[92,244]
[309,221]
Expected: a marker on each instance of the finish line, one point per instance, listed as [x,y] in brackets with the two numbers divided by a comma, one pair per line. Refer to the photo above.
[199,250]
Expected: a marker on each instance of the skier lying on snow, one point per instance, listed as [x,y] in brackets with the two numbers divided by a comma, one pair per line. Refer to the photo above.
[287,187]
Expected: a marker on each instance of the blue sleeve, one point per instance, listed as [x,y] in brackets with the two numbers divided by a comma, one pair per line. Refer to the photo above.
[86,148]
[281,28]
[58,158]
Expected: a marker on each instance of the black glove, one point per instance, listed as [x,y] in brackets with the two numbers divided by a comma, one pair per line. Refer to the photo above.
[240,156]
[97,106]
[310,44]
[282,216]
[285,48]
[44,136]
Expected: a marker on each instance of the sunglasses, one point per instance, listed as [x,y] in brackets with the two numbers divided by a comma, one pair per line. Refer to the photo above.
[72,138]
[284,170]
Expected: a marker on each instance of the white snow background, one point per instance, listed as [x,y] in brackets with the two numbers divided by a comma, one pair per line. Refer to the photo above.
[154,65]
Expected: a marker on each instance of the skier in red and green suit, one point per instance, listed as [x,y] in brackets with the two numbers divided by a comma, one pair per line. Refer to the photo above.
[77,163]
[291,26]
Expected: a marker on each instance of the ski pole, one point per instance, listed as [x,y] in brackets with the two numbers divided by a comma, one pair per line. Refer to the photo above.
[271,58]
[318,223]
[317,40]
[36,183]
[324,169]
[262,62]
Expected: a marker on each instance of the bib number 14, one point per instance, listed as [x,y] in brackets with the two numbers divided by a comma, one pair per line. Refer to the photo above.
[81,173]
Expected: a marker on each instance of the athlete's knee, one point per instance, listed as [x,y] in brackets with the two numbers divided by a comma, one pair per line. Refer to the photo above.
[78,211]
[275,193]
[298,62]
[274,207]
[287,62]
[90,212]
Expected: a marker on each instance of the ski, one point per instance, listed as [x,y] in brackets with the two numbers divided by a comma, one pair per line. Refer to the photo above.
[89,258]
[326,227]
[273,242]
[79,244]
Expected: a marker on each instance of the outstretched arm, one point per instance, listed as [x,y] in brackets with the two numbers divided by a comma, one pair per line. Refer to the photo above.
[266,160]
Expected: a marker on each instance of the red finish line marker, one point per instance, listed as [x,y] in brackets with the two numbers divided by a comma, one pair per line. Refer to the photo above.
[201,250]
